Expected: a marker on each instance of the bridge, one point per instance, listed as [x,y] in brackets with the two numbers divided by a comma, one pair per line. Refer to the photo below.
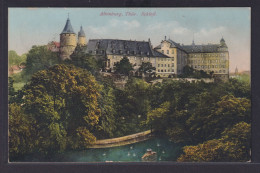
[125,140]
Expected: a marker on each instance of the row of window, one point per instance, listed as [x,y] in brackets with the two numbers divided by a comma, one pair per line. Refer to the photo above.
[221,54]
[167,51]
[166,59]
[205,61]
[165,65]
[172,70]
[208,66]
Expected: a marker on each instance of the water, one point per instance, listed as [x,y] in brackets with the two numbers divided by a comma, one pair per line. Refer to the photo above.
[166,151]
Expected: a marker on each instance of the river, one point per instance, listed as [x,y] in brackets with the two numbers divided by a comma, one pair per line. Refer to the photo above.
[166,151]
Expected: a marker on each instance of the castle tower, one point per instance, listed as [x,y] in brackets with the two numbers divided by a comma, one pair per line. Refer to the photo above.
[81,37]
[68,41]
[222,42]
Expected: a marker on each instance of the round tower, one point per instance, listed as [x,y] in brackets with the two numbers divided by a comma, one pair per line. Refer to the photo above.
[81,37]
[68,41]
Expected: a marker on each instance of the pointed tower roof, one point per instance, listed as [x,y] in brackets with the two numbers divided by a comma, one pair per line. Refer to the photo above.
[81,32]
[222,39]
[68,28]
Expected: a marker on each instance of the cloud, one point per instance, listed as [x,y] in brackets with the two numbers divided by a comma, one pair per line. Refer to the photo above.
[124,24]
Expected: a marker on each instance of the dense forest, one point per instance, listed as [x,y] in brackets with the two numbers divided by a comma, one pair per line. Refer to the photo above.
[68,105]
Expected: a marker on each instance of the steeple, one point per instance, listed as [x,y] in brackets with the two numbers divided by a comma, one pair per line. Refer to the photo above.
[81,37]
[222,41]
[236,71]
[193,43]
[81,32]
[68,28]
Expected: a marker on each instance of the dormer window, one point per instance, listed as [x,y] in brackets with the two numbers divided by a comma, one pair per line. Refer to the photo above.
[114,51]
[134,52]
[120,51]
[148,53]
[128,52]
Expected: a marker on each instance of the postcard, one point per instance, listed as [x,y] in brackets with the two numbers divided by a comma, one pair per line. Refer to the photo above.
[129,84]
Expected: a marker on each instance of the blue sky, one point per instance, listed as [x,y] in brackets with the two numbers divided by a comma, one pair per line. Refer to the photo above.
[38,26]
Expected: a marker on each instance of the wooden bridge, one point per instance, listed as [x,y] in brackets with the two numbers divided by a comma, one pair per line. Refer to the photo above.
[125,140]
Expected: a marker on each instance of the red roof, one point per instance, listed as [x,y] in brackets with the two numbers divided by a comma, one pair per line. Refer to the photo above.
[57,44]
[15,67]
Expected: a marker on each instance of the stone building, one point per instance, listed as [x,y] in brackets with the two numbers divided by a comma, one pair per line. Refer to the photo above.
[178,56]
[68,40]
[112,51]
[210,57]
[169,58]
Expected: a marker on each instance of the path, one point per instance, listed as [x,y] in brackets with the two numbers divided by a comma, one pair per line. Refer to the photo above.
[125,140]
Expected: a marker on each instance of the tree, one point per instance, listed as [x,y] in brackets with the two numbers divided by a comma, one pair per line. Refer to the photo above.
[146,67]
[123,66]
[158,118]
[21,131]
[15,59]
[64,103]
[86,61]
[233,146]
[40,58]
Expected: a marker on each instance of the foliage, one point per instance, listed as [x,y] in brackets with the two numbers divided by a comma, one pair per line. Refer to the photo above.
[158,118]
[15,59]
[123,66]
[21,131]
[234,145]
[86,61]
[192,73]
[40,58]
[132,105]
[146,67]
[107,121]
[63,101]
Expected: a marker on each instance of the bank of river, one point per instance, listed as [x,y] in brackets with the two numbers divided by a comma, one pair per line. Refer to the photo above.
[166,151]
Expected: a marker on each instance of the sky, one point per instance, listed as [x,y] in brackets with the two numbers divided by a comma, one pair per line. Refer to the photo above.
[38,26]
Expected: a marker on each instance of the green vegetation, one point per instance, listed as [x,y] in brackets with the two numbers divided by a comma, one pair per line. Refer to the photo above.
[15,59]
[123,66]
[189,72]
[68,106]
[40,58]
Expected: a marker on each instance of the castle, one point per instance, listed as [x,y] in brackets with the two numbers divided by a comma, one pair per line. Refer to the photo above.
[168,57]
[68,41]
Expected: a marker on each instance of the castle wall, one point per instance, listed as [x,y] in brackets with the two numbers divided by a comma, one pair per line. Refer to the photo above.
[82,41]
[68,44]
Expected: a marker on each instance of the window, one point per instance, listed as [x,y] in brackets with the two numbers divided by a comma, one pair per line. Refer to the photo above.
[165,70]
[172,64]
[167,51]
[158,70]
[168,65]
[162,51]
[165,65]
[161,70]
[224,71]
[172,70]
[158,65]
[168,70]
[172,51]
[161,65]
[172,58]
